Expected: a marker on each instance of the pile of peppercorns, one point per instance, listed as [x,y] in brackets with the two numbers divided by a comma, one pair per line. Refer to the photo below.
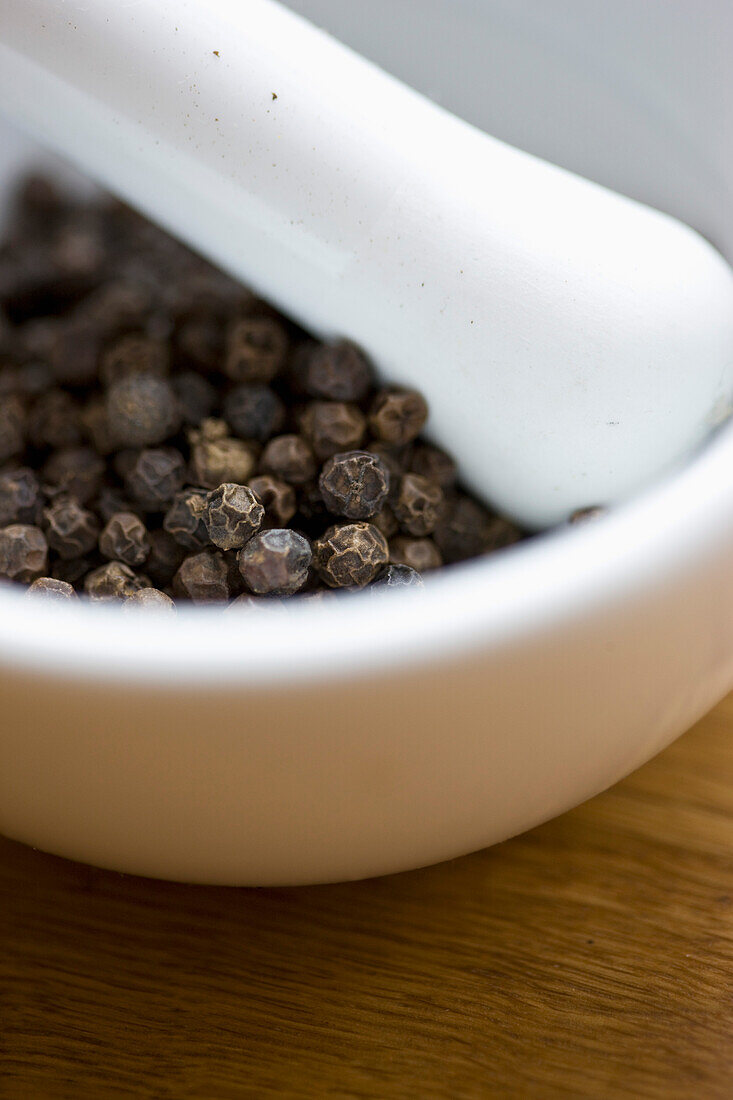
[165,435]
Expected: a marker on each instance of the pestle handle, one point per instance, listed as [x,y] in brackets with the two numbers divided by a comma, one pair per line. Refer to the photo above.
[572,344]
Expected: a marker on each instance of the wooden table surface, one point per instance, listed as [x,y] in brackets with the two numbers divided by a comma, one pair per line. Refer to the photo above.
[592,957]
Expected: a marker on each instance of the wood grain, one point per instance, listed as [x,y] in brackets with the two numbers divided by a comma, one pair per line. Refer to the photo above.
[591,957]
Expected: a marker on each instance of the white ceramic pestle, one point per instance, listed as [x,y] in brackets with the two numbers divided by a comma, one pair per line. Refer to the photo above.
[573,344]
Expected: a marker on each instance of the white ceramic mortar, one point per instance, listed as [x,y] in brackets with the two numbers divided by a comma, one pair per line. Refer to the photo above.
[371,735]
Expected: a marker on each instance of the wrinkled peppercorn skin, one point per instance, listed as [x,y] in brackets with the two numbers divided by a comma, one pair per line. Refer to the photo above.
[71,530]
[113,581]
[355,484]
[232,515]
[350,555]
[125,538]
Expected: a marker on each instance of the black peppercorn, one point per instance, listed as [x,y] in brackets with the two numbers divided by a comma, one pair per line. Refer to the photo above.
[351,555]
[290,458]
[52,589]
[398,416]
[155,477]
[74,471]
[184,520]
[113,581]
[71,530]
[125,539]
[332,427]
[398,576]
[354,484]
[421,555]
[418,505]
[254,411]
[232,514]
[276,497]
[466,530]
[142,409]
[203,578]
[149,599]
[275,562]
[337,372]
[216,457]
[23,552]
[21,499]
[256,349]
